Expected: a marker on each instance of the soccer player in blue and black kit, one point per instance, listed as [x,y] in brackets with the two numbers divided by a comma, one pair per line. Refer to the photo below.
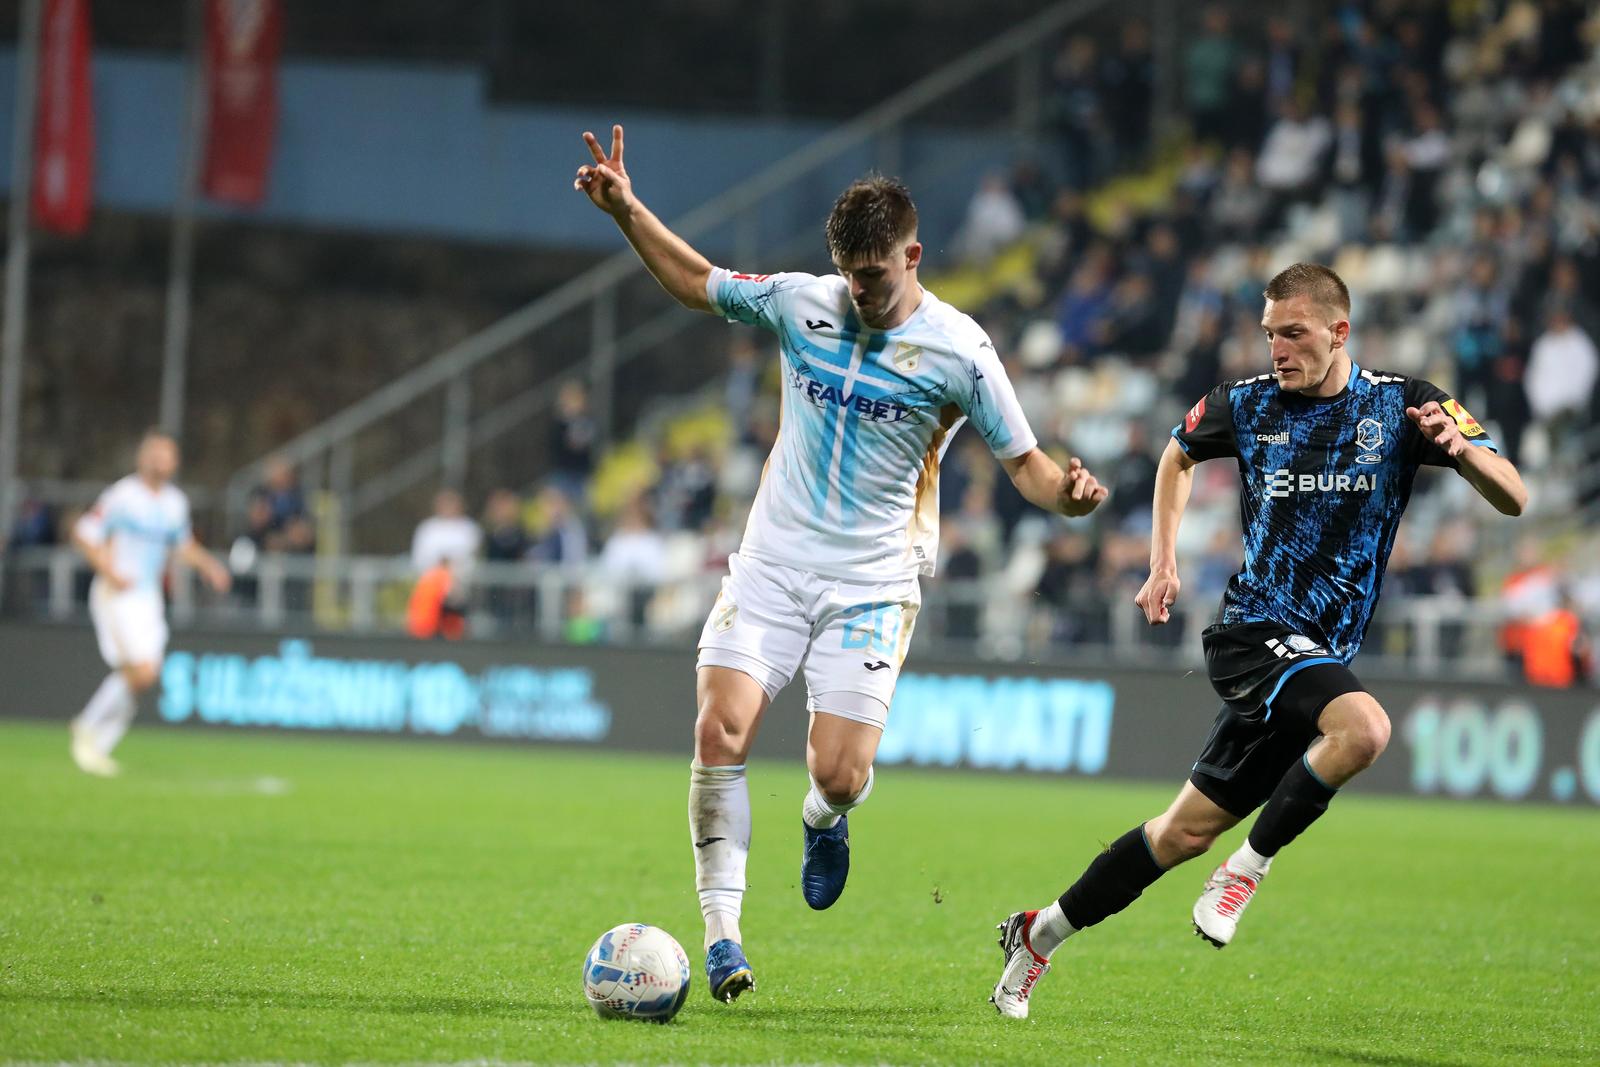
[1327,452]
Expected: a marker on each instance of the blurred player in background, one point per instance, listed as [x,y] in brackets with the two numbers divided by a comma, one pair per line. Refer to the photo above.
[128,537]
[879,373]
[1327,453]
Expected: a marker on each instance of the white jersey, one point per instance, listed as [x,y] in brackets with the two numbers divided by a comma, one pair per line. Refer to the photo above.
[851,489]
[141,525]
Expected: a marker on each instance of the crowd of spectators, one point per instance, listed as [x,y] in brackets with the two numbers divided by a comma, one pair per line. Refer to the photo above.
[1445,159]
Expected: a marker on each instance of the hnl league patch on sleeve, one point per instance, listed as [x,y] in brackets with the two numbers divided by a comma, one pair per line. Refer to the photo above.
[1196,413]
[1464,421]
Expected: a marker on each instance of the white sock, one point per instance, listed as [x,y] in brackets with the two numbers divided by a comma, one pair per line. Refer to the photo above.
[108,712]
[719,829]
[116,724]
[820,813]
[1050,928]
[1247,861]
[720,908]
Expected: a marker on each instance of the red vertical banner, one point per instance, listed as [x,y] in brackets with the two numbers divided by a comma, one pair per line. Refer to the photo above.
[63,138]
[243,41]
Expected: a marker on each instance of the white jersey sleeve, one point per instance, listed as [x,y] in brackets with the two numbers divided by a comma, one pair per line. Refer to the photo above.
[141,526]
[91,525]
[753,299]
[989,401]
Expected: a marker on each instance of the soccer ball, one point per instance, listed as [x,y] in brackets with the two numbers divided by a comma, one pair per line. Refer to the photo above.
[636,971]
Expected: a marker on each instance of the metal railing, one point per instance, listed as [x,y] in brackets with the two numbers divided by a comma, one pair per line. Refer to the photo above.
[327,454]
[1450,637]
[1586,485]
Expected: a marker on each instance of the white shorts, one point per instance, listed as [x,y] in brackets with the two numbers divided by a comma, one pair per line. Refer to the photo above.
[851,637]
[131,626]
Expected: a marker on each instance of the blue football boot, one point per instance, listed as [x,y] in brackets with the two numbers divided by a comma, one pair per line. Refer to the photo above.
[727,971]
[826,863]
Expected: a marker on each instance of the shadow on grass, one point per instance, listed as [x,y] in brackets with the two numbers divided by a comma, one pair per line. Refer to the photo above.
[224,999]
[1323,1054]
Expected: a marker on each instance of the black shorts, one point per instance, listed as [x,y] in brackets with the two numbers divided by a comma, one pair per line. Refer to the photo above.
[1273,683]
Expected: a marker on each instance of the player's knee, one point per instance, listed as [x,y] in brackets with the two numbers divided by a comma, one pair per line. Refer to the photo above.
[1372,738]
[1172,842]
[1365,739]
[840,781]
[142,676]
[720,738]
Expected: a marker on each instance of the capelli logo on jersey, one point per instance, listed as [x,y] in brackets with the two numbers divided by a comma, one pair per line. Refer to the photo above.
[1281,483]
[1281,438]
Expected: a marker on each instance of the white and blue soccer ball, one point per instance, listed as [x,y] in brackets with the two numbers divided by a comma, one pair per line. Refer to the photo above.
[636,971]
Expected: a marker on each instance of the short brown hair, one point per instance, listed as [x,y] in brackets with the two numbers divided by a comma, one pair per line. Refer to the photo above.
[871,218]
[1310,279]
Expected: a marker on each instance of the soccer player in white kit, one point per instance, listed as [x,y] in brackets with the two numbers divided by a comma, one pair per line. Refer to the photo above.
[878,375]
[127,537]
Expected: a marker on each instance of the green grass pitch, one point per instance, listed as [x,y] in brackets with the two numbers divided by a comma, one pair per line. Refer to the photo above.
[263,898]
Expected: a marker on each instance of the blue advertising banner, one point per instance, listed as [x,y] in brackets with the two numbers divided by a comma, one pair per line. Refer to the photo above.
[1450,740]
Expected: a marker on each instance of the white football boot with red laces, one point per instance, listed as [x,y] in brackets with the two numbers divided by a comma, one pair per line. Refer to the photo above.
[1023,966]
[1216,913]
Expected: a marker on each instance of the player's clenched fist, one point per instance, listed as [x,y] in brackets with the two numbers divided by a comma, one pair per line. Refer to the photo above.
[1158,595]
[605,182]
[1439,427]
[1080,491]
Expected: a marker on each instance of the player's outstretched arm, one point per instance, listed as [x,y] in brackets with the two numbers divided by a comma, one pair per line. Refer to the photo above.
[1042,482]
[1492,475]
[1174,479]
[681,270]
[210,568]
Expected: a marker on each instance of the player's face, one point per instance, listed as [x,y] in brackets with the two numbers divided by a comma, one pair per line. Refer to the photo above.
[158,459]
[1306,340]
[880,288]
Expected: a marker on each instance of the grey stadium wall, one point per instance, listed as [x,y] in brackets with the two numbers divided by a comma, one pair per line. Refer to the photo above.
[1458,740]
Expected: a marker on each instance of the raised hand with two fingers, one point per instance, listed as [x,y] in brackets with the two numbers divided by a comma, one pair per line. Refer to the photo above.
[605,181]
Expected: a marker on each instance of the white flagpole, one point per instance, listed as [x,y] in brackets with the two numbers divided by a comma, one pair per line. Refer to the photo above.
[14,334]
[180,280]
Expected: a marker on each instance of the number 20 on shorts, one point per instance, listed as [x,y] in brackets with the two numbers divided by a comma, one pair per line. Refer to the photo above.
[875,627]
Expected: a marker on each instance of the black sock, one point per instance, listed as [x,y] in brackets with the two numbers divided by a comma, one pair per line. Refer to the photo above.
[1113,881]
[1299,800]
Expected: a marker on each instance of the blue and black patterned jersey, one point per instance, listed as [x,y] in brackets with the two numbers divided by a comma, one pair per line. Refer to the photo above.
[1325,482]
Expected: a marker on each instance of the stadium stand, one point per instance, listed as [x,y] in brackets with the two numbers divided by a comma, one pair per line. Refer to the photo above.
[1445,159]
